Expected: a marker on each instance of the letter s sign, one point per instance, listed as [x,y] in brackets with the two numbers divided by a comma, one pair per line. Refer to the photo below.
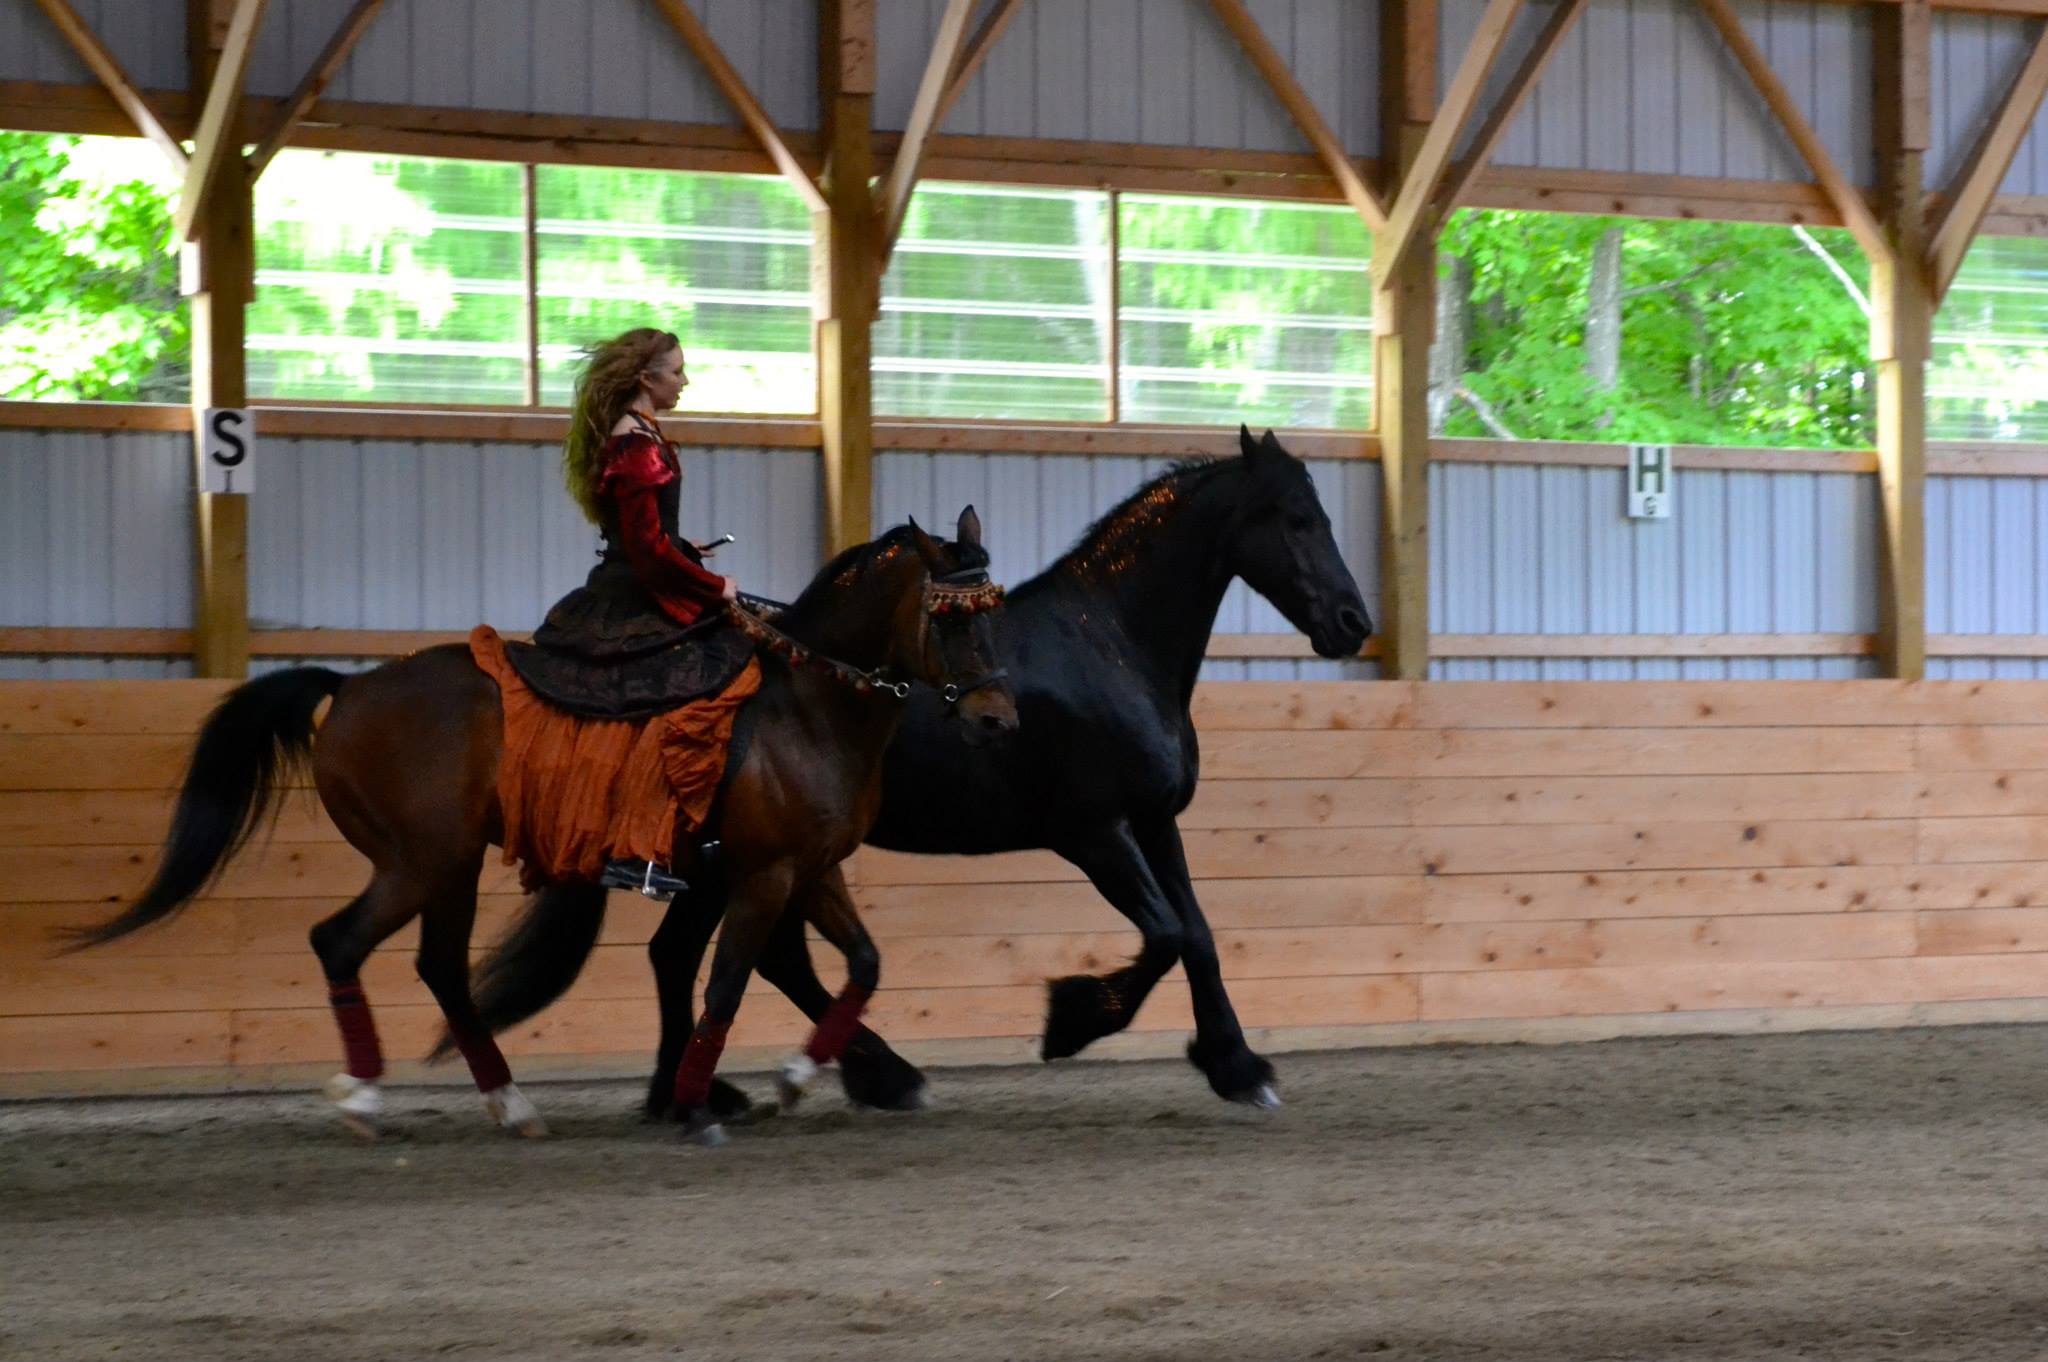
[227,446]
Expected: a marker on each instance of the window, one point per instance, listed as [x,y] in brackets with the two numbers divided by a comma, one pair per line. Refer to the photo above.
[996,306]
[1988,379]
[389,278]
[724,261]
[89,303]
[1555,327]
[1233,310]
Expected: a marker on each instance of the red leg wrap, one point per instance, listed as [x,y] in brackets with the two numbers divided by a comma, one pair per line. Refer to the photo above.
[358,1031]
[486,1062]
[837,1027]
[700,1061]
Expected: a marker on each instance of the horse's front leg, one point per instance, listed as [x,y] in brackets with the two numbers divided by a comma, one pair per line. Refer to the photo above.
[757,898]
[1218,1049]
[676,951]
[1083,1008]
[828,907]
[872,1074]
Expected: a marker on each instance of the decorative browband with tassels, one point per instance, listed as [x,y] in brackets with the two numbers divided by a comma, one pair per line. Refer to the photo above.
[966,592]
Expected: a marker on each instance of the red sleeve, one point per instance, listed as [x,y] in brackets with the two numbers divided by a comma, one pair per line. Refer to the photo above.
[630,479]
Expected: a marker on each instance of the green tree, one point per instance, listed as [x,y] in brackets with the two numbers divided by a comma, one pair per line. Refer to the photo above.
[1730,333]
[89,303]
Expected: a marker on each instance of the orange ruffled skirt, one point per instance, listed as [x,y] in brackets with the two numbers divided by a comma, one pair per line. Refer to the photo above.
[577,792]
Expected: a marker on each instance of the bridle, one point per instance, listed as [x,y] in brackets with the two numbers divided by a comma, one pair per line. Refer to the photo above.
[965,591]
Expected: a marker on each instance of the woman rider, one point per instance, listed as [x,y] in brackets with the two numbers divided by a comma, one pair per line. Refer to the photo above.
[651,591]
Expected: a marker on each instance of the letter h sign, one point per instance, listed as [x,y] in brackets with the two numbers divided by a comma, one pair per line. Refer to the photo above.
[1650,483]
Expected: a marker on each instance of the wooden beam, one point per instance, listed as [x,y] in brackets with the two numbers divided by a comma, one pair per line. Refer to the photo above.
[1976,184]
[1272,67]
[353,26]
[1404,321]
[221,208]
[1901,329]
[975,53]
[217,138]
[103,64]
[1502,115]
[1413,213]
[847,262]
[1848,200]
[945,55]
[734,87]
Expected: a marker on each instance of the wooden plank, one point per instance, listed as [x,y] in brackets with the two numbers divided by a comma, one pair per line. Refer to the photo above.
[1977,180]
[106,875]
[1412,215]
[103,64]
[107,708]
[1838,889]
[118,1041]
[1502,115]
[217,139]
[734,87]
[1846,197]
[925,112]
[72,642]
[974,54]
[1228,853]
[249,927]
[1561,752]
[1576,645]
[2009,747]
[1981,931]
[127,817]
[351,29]
[43,761]
[896,912]
[1273,69]
[1680,988]
[1951,841]
[1472,801]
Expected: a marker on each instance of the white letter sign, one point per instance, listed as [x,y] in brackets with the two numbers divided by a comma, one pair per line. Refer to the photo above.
[227,448]
[1650,484]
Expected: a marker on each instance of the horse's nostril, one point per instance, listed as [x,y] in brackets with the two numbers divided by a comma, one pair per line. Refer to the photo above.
[996,723]
[1354,621]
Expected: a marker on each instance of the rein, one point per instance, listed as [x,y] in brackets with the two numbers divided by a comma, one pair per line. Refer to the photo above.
[965,592]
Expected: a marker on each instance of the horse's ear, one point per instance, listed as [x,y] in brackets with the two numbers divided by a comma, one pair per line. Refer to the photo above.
[927,547]
[1245,442]
[968,531]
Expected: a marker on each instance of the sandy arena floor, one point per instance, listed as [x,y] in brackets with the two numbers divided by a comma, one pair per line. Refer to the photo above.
[1866,1196]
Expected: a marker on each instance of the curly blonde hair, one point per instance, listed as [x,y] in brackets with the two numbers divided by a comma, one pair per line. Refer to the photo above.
[610,377]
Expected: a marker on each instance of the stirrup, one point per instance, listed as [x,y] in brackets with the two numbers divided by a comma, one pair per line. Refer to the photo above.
[643,877]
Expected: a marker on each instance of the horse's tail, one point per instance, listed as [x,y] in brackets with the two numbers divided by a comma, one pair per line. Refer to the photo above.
[536,961]
[256,739]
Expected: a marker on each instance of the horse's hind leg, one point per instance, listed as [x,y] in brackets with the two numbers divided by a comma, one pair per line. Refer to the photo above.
[830,908]
[443,965]
[1083,1008]
[343,941]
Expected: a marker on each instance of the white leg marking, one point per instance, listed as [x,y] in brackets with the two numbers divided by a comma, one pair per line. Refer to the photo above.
[795,1076]
[360,1101]
[510,1108]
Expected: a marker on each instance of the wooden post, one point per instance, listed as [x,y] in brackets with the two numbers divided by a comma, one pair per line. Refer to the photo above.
[225,244]
[846,255]
[1901,330]
[1404,318]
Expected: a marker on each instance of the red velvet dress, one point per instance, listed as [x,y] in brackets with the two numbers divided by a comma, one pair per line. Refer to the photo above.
[640,489]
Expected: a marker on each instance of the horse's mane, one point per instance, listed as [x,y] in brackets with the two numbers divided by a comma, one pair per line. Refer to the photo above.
[849,565]
[1111,536]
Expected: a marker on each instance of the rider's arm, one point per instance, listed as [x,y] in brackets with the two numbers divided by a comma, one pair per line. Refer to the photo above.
[636,470]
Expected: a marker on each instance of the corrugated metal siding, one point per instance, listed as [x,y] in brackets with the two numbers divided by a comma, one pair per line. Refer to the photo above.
[1646,85]
[392,535]
[609,58]
[1517,549]
[1153,71]
[1986,556]
[1033,508]
[146,36]
[1975,57]
[96,533]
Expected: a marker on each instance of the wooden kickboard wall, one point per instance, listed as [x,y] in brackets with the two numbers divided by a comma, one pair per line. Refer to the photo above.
[1379,859]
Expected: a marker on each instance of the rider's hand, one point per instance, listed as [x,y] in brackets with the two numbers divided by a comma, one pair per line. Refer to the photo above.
[732,589]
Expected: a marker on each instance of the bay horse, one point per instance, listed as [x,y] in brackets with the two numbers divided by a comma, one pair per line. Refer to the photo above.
[406,764]
[1102,650]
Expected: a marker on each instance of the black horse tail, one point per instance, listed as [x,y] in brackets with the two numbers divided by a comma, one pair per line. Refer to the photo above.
[535,962]
[257,738]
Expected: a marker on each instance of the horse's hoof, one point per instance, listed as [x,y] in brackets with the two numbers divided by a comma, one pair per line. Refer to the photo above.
[1267,1098]
[794,1079]
[710,1135]
[360,1103]
[510,1108]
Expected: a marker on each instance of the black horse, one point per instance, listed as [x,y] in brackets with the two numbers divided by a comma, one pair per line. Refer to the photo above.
[1102,650]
